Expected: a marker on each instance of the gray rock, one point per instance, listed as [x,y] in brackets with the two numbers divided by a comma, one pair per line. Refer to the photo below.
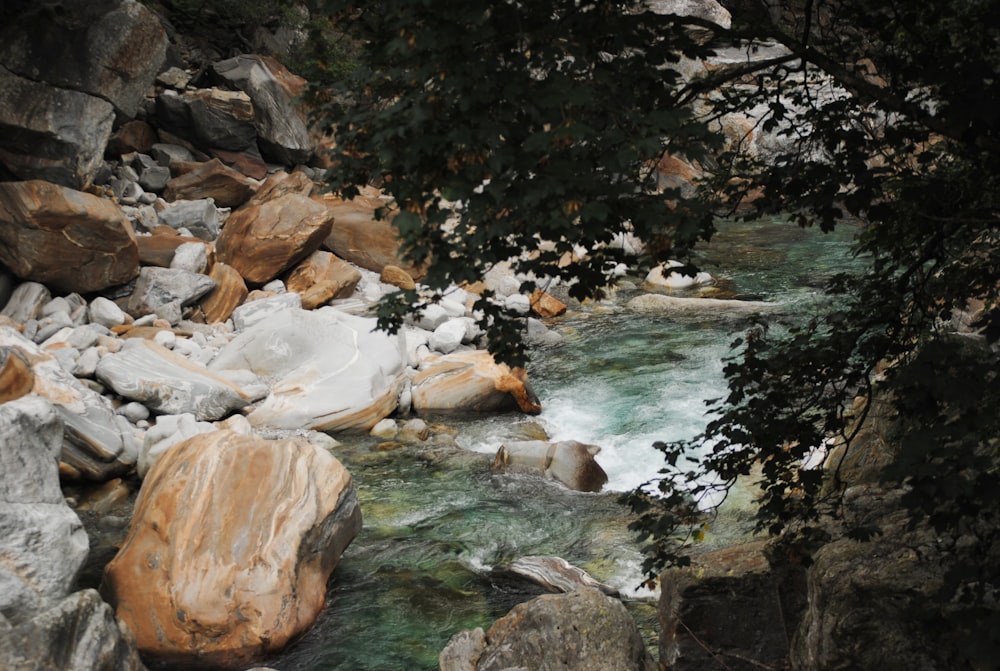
[26,302]
[584,631]
[519,304]
[166,153]
[30,440]
[447,337]
[254,312]
[167,432]
[209,117]
[49,326]
[167,382]
[86,363]
[106,312]
[53,134]
[568,461]
[201,217]
[282,133]
[80,633]
[154,178]
[134,412]
[556,574]
[157,287]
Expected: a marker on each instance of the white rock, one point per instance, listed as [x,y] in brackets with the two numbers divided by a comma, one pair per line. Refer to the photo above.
[386,429]
[167,432]
[26,302]
[165,338]
[662,277]
[134,412]
[57,304]
[431,316]
[191,256]
[86,363]
[254,312]
[452,307]
[448,336]
[519,304]
[200,217]
[276,286]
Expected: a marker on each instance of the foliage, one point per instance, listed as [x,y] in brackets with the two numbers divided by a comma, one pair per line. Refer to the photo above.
[518,131]
[527,131]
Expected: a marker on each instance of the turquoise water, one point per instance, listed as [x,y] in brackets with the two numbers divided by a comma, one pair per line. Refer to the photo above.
[436,522]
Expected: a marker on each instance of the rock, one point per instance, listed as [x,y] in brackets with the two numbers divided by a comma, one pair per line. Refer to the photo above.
[282,134]
[245,162]
[66,239]
[545,305]
[358,237]
[263,240]
[94,446]
[447,337]
[159,286]
[209,117]
[322,277]
[699,306]
[660,278]
[42,542]
[112,54]
[471,381]
[583,631]
[26,302]
[49,133]
[158,249]
[332,371]
[385,429]
[397,277]
[556,575]
[200,217]
[16,376]
[567,461]
[261,522]
[255,311]
[166,153]
[229,293]
[106,312]
[214,180]
[194,258]
[430,317]
[709,10]
[135,135]
[80,633]
[167,382]
[169,430]
[282,183]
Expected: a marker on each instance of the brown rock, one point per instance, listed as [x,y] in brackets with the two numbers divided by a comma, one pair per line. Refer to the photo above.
[357,236]
[135,135]
[263,240]
[568,461]
[397,277]
[229,551]
[545,305]
[229,293]
[158,249]
[66,239]
[321,278]
[16,376]
[280,184]
[211,180]
[472,380]
[245,162]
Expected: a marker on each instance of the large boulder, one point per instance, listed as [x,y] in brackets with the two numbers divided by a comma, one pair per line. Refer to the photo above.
[359,237]
[211,179]
[213,118]
[263,239]
[66,239]
[322,277]
[95,445]
[232,543]
[167,382]
[282,134]
[42,541]
[581,631]
[109,50]
[332,371]
[568,462]
[49,133]
[80,633]
[471,381]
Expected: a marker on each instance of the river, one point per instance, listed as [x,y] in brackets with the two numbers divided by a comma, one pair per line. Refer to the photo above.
[435,526]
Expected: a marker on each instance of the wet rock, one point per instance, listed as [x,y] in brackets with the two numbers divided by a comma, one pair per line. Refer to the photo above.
[556,574]
[688,306]
[584,631]
[568,461]
[80,633]
[157,287]
[66,239]
[262,523]
[321,278]
[669,276]
[332,371]
[214,180]
[282,134]
[263,240]
[167,382]
[471,381]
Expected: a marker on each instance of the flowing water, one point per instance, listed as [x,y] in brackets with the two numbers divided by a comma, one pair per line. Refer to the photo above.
[437,522]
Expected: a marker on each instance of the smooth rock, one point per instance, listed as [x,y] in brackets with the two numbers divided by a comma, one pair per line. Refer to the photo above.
[263,240]
[51,133]
[568,462]
[332,371]
[214,180]
[447,337]
[80,633]
[397,277]
[260,523]
[253,312]
[430,317]
[158,249]
[106,312]
[693,306]
[583,631]
[192,257]
[167,382]
[321,278]
[663,277]
[166,153]
[66,239]
[157,287]
[229,293]
[26,301]
[201,217]
[556,575]
[471,381]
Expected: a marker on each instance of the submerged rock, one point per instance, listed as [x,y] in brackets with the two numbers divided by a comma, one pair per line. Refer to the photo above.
[232,543]
[568,462]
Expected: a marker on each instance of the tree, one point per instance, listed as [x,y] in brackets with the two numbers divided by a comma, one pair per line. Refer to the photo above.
[526,131]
